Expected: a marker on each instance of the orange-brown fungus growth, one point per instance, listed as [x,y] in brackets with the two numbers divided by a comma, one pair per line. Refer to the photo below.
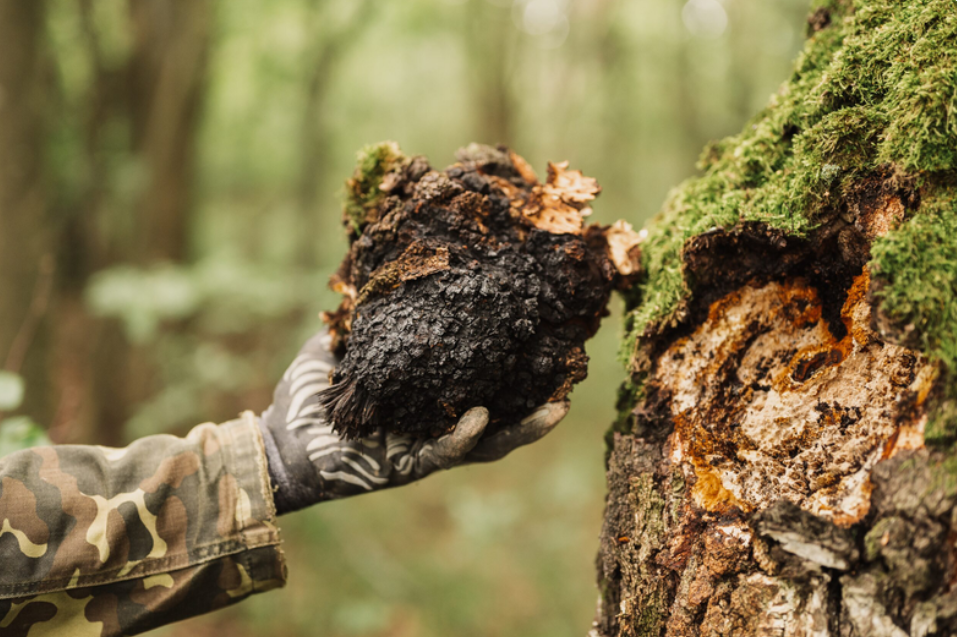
[768,404]
[559,205]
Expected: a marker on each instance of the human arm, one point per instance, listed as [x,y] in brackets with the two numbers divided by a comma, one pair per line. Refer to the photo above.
[310,463]
[119,541]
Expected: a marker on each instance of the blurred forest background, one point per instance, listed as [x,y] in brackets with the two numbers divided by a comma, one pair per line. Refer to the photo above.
[170,178]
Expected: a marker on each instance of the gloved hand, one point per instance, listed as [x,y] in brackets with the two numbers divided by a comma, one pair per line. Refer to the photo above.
[309,463]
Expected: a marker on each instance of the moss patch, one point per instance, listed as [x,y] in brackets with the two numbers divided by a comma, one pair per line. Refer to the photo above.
[916,272]
[873,92]
[362,191]
[917,265]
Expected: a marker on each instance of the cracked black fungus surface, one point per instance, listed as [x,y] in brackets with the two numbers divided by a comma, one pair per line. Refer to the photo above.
[501,324]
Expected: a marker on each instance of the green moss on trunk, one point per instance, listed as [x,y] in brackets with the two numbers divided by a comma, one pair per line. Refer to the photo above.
[873,96]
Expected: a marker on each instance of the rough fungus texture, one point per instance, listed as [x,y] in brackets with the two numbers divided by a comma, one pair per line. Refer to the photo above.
[476,285]
[784,459]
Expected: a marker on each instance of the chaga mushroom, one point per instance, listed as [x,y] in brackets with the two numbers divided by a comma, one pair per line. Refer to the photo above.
[476,285]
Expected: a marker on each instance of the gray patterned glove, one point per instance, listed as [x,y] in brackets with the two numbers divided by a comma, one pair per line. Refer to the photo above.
[309,463]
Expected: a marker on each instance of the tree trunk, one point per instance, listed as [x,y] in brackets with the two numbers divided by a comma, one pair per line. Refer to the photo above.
[25,249]
[783,463]
[157,94]
[489,41]
[167,69]
[321,62]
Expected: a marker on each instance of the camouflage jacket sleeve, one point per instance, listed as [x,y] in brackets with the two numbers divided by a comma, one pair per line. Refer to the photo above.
[101,542]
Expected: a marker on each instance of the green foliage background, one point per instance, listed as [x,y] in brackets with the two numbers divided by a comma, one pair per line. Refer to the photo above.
[628,91]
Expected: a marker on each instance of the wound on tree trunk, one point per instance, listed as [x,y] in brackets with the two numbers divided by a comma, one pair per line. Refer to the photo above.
[783,463]
[473,286]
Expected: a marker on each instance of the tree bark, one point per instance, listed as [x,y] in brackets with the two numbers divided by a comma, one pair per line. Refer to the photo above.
[774,470]
[764,464]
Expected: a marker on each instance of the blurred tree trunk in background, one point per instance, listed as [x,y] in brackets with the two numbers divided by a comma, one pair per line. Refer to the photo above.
[25,233]
[322,59]
[686,107]
[156,96]
[490,46]
[166,77]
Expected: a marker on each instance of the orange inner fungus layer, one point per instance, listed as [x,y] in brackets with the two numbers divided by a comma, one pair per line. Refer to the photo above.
[768,404]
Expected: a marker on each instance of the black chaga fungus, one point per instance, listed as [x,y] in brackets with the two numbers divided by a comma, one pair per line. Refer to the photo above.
[476,285]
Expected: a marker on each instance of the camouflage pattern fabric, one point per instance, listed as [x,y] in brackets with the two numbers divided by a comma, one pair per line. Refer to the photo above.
[99,542]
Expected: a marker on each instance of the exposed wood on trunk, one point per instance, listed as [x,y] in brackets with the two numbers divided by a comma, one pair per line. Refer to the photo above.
[738,506]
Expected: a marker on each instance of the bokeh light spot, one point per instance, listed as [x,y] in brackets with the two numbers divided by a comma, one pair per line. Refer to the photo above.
[705,18]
